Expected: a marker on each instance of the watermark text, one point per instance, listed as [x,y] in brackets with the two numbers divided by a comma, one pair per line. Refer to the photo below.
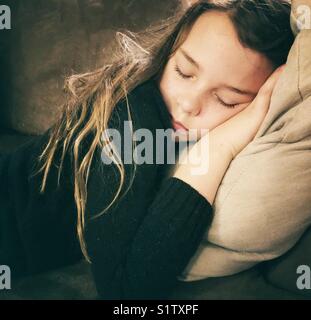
[5,277]
[5,17]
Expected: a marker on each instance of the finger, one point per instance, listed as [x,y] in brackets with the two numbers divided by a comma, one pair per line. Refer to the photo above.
[263,98]
[270,83]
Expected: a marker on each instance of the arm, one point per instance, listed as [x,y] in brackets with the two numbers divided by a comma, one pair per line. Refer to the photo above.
[212,171]
[138,249]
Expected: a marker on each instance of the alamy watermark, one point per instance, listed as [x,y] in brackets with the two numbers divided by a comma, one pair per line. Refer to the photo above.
[303,17]
[5,17]
[143,147]
[5,277]
[304,280]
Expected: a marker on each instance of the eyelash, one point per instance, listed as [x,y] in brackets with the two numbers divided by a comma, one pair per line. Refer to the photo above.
[231,106]
[182,75]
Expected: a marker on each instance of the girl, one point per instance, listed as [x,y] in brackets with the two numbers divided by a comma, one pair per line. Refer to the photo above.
[213,67]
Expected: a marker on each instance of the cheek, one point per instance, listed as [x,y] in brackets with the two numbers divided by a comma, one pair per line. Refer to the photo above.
[215,115]
[170,88]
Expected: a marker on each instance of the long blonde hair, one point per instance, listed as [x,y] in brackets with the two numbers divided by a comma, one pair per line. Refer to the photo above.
[92,97]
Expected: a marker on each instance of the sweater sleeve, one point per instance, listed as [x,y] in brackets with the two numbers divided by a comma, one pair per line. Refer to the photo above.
[139,256]
[166,240]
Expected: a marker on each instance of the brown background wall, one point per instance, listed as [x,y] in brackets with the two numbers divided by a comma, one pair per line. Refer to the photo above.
[50,39]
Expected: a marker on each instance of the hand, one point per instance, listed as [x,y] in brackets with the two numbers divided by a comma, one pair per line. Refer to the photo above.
[239,131]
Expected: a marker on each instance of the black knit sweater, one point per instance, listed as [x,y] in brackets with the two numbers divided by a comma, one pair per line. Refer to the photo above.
[138,247]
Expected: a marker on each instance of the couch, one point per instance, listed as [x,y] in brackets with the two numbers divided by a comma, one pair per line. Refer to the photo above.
[51,39]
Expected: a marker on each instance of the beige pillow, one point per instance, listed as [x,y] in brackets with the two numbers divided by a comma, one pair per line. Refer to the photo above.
[263,204]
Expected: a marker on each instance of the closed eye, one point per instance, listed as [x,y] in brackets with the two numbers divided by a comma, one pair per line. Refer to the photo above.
[181,74]
[227,105]
[184,76]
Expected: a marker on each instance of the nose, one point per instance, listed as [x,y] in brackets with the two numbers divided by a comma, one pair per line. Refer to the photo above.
[190,106]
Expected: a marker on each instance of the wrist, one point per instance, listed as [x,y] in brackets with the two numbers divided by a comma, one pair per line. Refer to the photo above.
[220,143]
[212,166]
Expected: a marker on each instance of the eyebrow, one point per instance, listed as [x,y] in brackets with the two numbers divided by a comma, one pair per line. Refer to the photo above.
[188,57]
[197,65]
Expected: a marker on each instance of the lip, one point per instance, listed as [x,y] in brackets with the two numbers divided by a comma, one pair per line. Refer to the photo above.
[178,126]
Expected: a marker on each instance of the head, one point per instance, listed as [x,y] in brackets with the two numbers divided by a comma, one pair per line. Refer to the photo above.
[209,61]
[225,54]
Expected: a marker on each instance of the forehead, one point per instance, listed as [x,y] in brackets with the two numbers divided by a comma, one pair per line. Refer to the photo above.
[213,43]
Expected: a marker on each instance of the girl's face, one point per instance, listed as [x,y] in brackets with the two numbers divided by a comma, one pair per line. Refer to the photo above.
[211,77]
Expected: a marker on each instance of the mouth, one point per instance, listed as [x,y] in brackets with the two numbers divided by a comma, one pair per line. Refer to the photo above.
[177,125]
